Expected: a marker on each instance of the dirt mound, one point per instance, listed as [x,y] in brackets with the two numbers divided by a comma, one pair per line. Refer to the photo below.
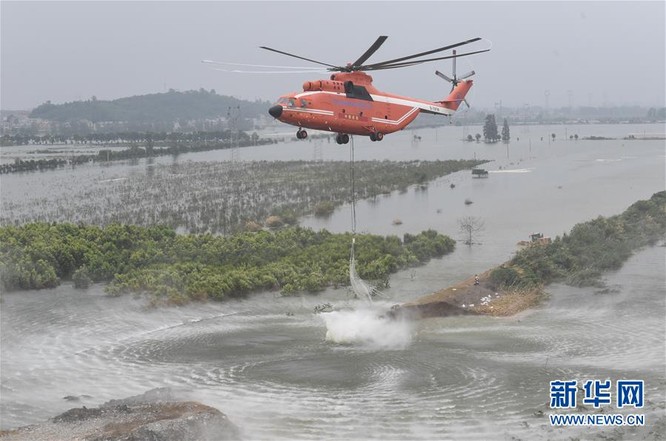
[468,297]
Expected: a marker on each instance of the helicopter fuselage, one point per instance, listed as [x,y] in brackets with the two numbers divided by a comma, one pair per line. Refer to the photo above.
[348,104]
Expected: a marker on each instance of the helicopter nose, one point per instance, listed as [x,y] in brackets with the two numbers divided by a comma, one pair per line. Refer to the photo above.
[275,111]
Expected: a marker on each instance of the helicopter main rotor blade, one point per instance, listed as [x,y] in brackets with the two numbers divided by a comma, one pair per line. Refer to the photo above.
[394,62]
[369,52]
[414,63]
[272,72]
[227,63]
[299,57]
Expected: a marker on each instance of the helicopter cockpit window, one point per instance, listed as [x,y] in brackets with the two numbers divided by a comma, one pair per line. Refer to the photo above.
[283,101]
[292,102]
[303,103]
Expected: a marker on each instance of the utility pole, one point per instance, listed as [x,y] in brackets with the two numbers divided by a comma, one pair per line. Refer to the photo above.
[499,113]
[570,95]
[233,115]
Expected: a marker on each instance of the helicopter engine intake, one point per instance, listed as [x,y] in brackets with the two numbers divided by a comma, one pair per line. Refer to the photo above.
[324,85]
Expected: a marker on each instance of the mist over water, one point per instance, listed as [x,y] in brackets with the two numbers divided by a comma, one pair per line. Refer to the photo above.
[368,327]
[281,372]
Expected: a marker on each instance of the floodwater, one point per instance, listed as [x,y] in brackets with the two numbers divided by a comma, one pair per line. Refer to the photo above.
[281,372]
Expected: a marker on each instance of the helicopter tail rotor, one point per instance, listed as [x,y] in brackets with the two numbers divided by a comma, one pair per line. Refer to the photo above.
[441,75]
[455,79]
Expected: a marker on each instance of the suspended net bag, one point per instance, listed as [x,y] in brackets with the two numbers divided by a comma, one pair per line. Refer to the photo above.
[359,286]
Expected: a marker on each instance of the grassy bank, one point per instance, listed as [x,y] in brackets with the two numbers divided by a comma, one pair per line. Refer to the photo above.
[178,268]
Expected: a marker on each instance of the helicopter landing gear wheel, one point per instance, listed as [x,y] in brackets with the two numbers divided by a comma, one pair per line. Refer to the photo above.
[342,138]
[376,136]
[301,134]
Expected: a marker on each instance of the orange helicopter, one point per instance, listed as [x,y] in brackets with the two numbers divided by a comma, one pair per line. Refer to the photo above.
[348,103]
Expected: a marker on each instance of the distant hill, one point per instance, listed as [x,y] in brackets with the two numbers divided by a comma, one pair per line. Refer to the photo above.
[166,107]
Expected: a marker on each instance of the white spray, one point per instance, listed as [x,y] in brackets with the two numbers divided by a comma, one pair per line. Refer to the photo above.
[367,327]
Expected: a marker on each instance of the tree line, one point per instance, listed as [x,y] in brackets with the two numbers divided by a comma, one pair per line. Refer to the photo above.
[580,257]
[178,268]
[171,144]
[123,138]
[170,106]
[490,132]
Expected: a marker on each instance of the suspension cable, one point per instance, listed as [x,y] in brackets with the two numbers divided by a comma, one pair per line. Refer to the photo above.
[352,177]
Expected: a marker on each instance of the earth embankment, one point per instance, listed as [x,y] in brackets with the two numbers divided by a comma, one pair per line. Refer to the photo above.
[470,298]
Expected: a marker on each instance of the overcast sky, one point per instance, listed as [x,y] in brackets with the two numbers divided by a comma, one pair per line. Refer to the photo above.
[579,53]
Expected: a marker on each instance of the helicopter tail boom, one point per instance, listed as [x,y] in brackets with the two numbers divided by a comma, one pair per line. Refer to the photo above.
[457,95]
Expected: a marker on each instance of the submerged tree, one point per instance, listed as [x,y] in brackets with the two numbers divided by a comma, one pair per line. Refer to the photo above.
[470,226]
[490,133]
[506,135]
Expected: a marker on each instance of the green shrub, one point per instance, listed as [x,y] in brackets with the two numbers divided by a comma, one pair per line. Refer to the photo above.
[324,209]
[584,277]
[504,277]
[81,278]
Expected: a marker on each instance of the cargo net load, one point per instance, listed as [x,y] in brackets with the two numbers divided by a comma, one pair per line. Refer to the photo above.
[360,287]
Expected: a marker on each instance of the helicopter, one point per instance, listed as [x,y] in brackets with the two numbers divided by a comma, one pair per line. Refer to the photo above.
[348,104]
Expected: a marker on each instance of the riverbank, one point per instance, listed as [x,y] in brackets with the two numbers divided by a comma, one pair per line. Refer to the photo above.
[465,298]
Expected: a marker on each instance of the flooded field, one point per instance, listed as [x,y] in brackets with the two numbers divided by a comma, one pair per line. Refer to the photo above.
[281,372]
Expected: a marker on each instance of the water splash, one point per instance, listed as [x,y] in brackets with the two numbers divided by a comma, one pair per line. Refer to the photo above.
[367,327]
